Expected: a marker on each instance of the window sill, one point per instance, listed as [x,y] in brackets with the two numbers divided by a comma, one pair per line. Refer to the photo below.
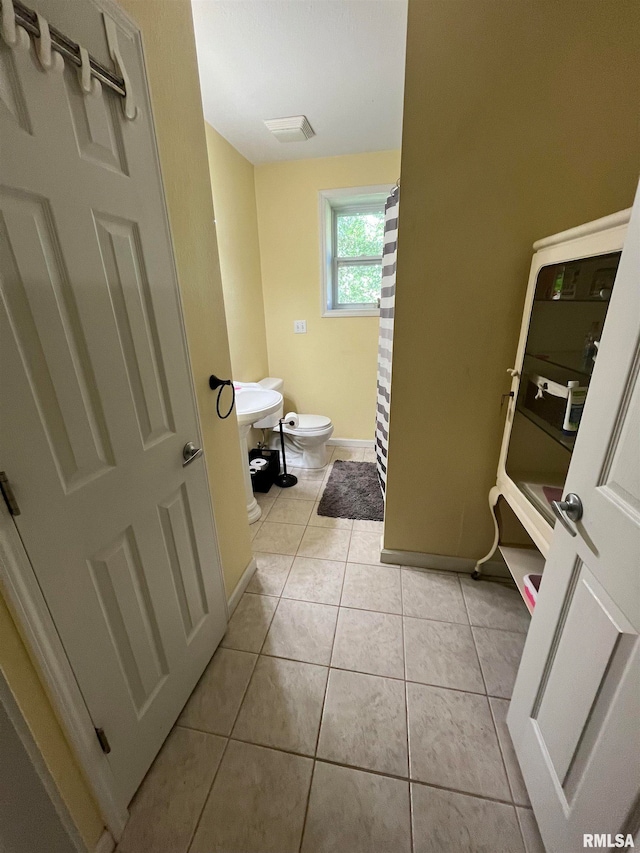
[351,312]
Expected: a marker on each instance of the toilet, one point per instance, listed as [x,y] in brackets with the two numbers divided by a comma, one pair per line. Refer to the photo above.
[306,444]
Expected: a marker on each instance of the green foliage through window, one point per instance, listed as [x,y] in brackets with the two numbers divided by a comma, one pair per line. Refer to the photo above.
[359,284]
[359,234]
[360,241]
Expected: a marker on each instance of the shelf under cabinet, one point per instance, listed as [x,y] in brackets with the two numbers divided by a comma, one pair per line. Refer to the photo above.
[533,490]
[567,359]
[524,492]
[595,300]
[567,441]
[521,562]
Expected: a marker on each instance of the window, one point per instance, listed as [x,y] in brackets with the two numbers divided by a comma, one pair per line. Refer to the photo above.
[352,239]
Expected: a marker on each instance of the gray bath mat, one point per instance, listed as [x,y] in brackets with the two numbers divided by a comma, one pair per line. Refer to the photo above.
[353,491]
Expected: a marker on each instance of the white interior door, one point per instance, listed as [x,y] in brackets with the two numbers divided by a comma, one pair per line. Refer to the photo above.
[98,401]
[575,711]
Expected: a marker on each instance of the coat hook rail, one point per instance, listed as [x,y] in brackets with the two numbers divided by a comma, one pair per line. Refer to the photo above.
[28,20]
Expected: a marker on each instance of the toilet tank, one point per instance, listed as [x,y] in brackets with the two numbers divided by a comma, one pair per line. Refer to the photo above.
[272,384]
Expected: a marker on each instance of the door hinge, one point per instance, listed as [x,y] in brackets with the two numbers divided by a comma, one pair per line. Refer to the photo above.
[7,494]
[103,740]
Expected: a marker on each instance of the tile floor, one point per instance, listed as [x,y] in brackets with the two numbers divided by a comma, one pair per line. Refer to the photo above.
[352,707]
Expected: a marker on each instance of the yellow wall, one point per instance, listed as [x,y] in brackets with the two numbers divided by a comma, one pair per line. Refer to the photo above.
[170,55]
[173,75]
[234,202]
[30,696]
[332,369]
[520,120]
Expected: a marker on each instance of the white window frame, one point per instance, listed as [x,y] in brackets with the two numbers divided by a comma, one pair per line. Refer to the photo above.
[349,199]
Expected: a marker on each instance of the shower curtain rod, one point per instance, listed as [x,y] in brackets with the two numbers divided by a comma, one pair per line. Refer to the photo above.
[28,20]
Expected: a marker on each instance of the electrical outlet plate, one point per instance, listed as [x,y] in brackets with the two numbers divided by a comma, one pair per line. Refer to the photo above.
[300,327]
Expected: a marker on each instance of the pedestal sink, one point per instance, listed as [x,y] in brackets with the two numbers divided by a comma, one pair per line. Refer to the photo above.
[252,404]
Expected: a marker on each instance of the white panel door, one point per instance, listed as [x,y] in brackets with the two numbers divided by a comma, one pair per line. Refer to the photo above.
[97,397]
[575,710]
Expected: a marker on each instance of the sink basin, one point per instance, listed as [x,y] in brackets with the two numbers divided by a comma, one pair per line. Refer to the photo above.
[253,404]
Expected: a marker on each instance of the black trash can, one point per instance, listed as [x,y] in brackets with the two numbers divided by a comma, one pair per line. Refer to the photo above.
[261,481]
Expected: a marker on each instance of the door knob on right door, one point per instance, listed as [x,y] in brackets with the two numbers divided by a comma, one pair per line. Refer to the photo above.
[567,511]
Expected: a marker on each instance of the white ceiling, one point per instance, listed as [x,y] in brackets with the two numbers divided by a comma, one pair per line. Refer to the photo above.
[339,62]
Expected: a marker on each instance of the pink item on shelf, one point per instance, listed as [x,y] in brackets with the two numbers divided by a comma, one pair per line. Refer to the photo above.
[552,493]
[531,588]
[530,599]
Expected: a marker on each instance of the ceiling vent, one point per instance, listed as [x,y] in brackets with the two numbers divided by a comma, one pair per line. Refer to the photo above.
[291,129]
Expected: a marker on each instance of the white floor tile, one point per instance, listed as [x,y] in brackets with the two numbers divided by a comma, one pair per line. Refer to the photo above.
[433,595]
[283,705]
[274,538]
[495,605]
[304,490]
[443,654]
[364,723]
[530,832]
[369,642]
[453,743]
[499,708]
[369,526]
[314,658]
[257,803]
[302,630]
[166,808]
[499,653]
[271,573]
[448,822]
[348,454]
[365,547]
[316,580]
[325,521]
[265,500]
[351,811]
[250,622]
[325,544]
[214,704]
[372,588]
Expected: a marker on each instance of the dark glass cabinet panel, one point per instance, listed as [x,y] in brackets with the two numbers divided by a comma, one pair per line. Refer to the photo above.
[567,318]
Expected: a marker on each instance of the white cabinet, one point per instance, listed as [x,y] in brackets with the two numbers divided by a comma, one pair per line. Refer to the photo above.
[570,285]
[575,706]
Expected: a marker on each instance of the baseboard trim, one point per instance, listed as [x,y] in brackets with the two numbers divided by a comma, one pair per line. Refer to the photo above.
[418,560]
[352,442]
[106,844]
[242,584]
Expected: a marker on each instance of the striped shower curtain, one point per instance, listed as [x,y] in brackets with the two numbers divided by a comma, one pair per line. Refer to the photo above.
[385,346]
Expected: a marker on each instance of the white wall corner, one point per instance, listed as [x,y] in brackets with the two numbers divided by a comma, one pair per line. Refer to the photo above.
[242,584]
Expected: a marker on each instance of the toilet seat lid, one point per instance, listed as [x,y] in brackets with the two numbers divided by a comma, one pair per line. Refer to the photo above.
[309,422]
